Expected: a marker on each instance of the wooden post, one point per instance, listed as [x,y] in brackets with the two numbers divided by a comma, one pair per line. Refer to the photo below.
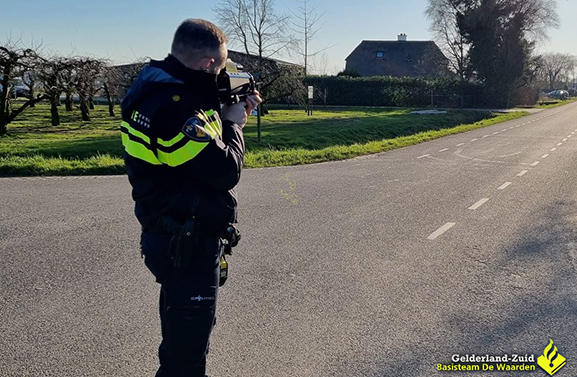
[258,110]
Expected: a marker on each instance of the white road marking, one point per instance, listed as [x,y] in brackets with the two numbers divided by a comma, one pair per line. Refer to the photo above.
[440,231]
[504,130]
[545,155]
[511,127]
[427,155]
[553,149]
[504,185]
[495,133]
[535,163]
[518,125]
[523,172]
[444,150]
[564,139]
[485,136]
[559,144]
[479,203]
[474,139]
[460,144]
[569,136]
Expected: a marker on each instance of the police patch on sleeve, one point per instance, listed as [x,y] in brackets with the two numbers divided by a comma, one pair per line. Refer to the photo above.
[194,129]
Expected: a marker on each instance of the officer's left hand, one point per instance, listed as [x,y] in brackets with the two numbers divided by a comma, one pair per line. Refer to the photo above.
[252,102]
[239,112]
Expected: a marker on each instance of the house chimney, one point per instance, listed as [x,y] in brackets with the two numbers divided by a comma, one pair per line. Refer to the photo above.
[402,37]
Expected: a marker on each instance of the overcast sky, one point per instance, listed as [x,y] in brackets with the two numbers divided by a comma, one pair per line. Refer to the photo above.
[123,30]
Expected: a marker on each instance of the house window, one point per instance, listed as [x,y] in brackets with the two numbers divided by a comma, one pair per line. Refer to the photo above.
[379,54]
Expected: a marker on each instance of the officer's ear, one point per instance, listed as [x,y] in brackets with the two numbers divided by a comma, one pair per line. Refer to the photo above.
[206,63]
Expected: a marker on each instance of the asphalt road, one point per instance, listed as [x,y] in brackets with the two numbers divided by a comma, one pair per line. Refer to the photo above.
[384,265]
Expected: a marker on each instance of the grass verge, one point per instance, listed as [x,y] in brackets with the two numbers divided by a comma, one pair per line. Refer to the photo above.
[340,152]
[289,137]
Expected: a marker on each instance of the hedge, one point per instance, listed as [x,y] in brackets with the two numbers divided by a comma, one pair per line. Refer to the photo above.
[394,91]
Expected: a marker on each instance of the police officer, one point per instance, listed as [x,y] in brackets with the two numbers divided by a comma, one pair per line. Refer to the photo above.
[184,157]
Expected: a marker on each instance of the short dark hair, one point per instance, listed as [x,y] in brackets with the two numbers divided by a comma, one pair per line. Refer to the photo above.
[197,38]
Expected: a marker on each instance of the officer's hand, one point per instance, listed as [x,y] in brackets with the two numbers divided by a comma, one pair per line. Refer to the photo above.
[239,112]
[252,102]
[235,113]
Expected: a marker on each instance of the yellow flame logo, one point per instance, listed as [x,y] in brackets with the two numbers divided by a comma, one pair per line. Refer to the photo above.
[551,360]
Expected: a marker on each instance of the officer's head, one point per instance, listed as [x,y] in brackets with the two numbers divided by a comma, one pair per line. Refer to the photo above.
[200,45]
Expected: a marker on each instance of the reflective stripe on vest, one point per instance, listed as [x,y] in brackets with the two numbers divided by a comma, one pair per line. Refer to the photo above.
[137,144]
[173,152]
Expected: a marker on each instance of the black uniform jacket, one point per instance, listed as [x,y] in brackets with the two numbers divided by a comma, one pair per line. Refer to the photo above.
[172,171]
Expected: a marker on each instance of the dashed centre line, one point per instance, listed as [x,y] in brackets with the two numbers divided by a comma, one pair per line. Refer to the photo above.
[535,163]
[564,140]
[460,144]
[474,139]
[444,150]
[504,185]
[479,204]
[523,172]
[484,136]
[427,155]
[553,149]
[440,231]
[559,144]
[545,155]
[495,133]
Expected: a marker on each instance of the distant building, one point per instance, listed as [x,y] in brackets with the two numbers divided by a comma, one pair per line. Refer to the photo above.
[249,61]
[129,71]
[397,58]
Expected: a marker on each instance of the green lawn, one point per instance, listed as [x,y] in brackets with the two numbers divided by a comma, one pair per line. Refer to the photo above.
[289,137]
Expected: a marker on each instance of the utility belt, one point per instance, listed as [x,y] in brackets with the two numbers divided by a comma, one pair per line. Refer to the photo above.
[183,247]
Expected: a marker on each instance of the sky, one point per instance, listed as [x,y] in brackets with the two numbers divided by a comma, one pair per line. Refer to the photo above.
[123,31]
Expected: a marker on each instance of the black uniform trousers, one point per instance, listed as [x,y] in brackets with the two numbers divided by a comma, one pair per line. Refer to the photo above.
[187,303]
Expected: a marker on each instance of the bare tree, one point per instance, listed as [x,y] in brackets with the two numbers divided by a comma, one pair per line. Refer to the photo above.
[255,25]
[262,32]
[556,64]
[443,15]
[30,80]
[68,81]
[87,70]
[129,72]
[433,63]
[13,59]
[54,77]
[307,27]
[535,16]
[111,79]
